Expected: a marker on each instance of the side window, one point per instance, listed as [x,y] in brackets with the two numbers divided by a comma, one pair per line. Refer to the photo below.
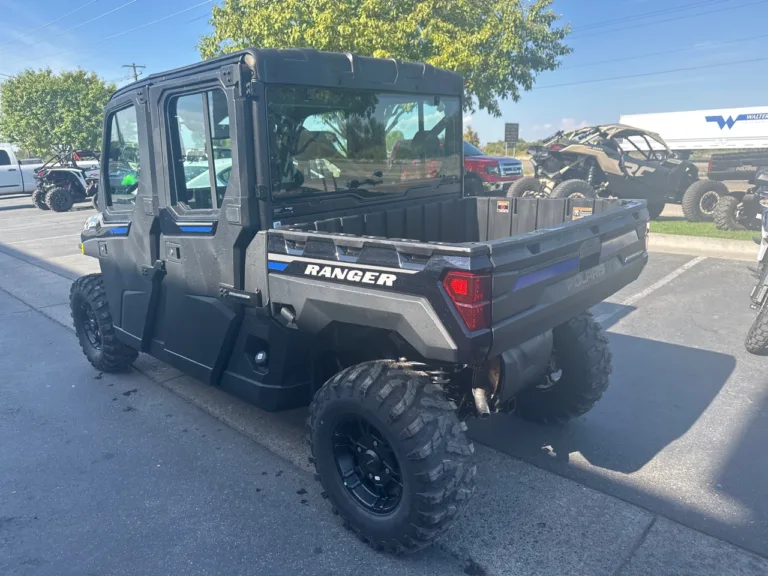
[202,149]
[122,181]
[5,160]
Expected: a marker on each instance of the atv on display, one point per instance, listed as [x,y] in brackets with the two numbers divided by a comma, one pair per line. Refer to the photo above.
[744,211]
[622,162]
[292,268]
[66,179]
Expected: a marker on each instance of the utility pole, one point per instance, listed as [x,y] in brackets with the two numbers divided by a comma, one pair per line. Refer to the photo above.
[136,73]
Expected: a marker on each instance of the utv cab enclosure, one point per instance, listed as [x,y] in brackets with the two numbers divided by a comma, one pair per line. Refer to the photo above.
[272,246]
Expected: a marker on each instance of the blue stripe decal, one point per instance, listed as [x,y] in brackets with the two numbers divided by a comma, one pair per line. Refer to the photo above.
[119,231]
[279,266]
[196,228]
[532,278]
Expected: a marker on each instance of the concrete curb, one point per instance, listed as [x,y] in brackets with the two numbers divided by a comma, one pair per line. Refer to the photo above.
[698,246]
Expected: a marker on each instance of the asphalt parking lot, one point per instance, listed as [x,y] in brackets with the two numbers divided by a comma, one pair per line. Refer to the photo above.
[99,467]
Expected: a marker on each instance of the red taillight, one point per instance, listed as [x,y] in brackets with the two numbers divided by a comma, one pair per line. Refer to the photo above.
[471,295]
[556,147]
[709,165]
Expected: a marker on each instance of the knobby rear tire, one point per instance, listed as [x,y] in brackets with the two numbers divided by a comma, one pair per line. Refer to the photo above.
[584,356]
[401,401]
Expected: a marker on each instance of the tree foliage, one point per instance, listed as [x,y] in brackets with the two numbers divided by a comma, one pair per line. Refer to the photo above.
[472,136]
[495,148]
[499,46]
[498,148]
[393,137]
[45,112]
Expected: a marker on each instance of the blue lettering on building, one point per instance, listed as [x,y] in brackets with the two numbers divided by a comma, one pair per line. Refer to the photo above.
[723,122]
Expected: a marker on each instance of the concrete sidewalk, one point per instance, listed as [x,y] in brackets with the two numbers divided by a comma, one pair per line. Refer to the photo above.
[522,520]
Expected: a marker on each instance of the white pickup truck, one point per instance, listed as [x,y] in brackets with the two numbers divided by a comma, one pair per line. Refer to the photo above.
[16,178]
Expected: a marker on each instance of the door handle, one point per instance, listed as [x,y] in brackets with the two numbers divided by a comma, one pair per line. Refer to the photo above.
[11,169]
[173,251]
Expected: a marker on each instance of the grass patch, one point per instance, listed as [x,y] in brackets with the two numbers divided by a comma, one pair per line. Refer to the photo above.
[705,229]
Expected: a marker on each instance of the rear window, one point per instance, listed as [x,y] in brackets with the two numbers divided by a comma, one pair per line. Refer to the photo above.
[338,141]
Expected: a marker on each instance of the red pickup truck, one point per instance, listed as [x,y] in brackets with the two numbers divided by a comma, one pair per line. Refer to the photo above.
[496,172]
[486,175]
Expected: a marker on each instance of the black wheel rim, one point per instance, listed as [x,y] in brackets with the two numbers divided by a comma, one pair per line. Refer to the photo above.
[708,202]
[90,325]
[367,466]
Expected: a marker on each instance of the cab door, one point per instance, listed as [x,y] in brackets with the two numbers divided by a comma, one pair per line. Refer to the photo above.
[10,175]
[128,247]
[204,222]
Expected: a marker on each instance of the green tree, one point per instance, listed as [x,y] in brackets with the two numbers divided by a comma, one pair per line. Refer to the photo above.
[45,112]
[498,46]
[393,137]
[471,136]
[497,148]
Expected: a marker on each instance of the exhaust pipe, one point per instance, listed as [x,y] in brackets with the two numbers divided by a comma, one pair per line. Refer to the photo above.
[481,403]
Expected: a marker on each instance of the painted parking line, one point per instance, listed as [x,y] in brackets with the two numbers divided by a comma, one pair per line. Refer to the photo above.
[605,318]
[41,239]
[5,229]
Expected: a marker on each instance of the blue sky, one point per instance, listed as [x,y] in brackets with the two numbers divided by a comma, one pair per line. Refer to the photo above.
[705,40]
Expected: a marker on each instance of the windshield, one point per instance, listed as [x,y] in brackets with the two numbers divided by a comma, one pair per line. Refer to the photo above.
[471,150]
[328,141]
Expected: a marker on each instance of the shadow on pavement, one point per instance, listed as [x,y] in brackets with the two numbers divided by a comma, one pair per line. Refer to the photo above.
[17,207]
[743,476]
[608,313]
[644,410]
[658,392]
[39,261]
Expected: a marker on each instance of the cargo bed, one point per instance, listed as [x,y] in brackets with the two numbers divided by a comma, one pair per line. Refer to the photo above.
[548,260]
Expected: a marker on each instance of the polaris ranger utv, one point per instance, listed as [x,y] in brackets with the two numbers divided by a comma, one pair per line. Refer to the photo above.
[271,248]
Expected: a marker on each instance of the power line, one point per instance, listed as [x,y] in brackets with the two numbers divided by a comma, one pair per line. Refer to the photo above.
[116,80]
[99,17]
[684,17]
[136,73]
[664,52]
[646,74]
[198,18]
[124,32]
[651,14]
[49,23]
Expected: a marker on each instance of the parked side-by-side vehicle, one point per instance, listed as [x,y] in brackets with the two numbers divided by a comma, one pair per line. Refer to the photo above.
[619,161]
[273,247]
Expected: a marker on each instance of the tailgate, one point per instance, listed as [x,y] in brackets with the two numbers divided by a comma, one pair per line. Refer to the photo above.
[544,278]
